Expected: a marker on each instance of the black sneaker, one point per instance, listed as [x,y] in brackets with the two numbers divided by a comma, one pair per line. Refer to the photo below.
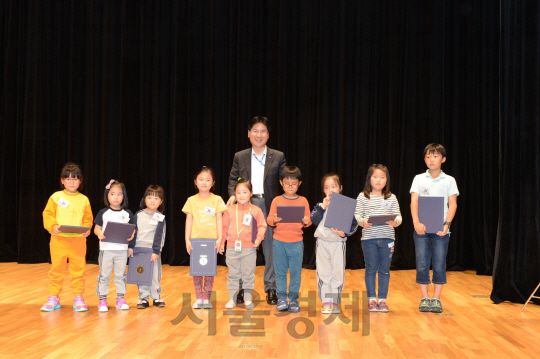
[240,296]
[436,306]
[143,304]
[271,297]
[425,305]
[160,303]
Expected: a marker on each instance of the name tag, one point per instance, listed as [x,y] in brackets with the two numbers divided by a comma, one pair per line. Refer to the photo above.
[209,211]
[247,219]
[63,203]
[238,245]
[425,191]
[386,204]
[156,218]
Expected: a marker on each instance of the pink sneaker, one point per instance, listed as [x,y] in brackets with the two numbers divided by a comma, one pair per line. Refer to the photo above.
[373,306]
[121,304]
[79,305]
[52,304]
[383,307]
[102,306]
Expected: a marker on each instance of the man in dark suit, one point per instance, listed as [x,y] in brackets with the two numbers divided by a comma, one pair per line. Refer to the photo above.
[262,166]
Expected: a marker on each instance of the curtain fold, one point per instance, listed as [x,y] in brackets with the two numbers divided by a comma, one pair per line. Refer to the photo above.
[516,271]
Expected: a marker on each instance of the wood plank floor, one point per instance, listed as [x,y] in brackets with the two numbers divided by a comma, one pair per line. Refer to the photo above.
[471,327]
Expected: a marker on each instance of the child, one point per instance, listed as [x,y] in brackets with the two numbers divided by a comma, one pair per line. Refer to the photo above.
[377,240]
[241,251]
[113,255]
[431,248]
[204,220]
[330,249]
[288,245]
[150,233]
[67,207]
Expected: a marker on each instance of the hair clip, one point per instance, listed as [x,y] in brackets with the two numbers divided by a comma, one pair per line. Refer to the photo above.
[239,178]
[109,185]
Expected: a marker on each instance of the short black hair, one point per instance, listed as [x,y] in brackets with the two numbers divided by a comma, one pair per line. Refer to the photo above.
[154,190]
[124,203]
[71,170]
[259,119]
[291,172]
[435,147]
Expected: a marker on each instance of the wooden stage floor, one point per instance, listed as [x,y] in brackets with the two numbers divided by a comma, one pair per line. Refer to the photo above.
[472,326]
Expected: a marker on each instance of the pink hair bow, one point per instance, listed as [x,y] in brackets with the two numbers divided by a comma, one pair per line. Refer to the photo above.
[109,185]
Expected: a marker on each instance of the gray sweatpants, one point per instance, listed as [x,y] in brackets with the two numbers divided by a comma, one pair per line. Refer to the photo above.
[267,248]
[241,266]
[109,260]
[153,290]
[330,270]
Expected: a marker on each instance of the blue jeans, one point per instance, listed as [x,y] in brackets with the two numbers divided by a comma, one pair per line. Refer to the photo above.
[431,249]
[288,257]
[378,256]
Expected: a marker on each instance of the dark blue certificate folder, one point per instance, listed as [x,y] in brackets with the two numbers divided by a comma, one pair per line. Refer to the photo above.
[116,232]
[291,214]
[140,268]
[203,260]
[381,219]
[340,213]
[73,229]
[431,213]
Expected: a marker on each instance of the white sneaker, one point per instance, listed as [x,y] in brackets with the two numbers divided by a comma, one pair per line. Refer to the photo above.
[249,305]
[326,308]
[206,304]
[198,304]
[230,304]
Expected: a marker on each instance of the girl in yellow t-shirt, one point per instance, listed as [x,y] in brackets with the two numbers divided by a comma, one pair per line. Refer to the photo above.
[204,211]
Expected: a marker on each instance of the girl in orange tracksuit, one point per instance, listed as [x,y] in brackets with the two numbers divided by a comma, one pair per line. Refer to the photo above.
[243,238]
[71,208]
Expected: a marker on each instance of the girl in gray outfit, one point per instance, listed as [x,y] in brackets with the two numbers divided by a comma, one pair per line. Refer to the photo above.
[331,245]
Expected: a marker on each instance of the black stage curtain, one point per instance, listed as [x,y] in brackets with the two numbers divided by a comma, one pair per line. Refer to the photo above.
[517,269]
[148,91]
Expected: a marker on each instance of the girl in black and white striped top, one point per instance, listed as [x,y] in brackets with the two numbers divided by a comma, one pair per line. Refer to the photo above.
[377,240]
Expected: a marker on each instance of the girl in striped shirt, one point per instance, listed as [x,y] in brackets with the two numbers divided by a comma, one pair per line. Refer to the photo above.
[377,240]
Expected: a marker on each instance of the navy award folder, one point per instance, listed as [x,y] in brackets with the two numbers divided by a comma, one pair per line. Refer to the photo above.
[73,229]
[381,219]
[203,259]
[340,213]
[291,214]
[254,230]
[117,232]
[140,267]
[431,213]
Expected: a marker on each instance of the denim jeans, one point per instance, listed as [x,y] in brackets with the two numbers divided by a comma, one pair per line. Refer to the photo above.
[288,256]
[378,256]
[431,249]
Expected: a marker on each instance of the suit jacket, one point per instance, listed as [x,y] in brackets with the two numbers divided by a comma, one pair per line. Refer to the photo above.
[275,163]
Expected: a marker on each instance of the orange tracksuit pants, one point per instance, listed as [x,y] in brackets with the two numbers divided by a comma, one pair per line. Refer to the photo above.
[63,248]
